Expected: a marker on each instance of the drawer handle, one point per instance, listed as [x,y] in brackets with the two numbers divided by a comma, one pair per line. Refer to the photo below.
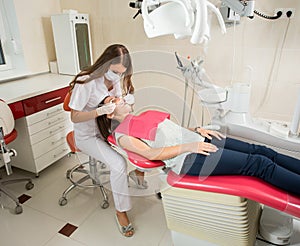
[55,155]
[52,100]
[52,122]
[57,129]
[53,112]
[54,142]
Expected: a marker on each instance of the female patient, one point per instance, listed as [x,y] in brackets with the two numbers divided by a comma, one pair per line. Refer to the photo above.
[198,152]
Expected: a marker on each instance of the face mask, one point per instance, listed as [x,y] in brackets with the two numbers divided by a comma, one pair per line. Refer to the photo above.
[110,75]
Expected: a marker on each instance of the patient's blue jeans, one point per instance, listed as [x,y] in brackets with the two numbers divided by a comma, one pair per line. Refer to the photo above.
[236,157]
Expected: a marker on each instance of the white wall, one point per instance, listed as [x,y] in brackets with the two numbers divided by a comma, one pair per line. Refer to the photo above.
[257,43]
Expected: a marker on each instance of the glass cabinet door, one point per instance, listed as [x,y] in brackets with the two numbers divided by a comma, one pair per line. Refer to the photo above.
[83,45]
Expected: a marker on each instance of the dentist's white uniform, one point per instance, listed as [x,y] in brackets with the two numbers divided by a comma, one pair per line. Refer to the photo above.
[86,97]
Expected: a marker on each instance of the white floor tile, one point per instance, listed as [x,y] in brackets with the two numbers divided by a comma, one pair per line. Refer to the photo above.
[31,228]
[63,241]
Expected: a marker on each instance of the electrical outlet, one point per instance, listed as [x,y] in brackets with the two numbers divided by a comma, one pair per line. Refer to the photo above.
[285,11]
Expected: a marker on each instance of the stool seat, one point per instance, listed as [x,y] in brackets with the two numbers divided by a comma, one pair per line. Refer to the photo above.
[10,137]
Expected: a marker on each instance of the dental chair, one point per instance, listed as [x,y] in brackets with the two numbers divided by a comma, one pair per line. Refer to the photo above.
[93,174]
[7,135]
[223,210]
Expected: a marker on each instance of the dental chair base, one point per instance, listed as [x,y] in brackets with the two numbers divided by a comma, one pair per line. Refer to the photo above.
[276,227]
[218,195]
[219,219]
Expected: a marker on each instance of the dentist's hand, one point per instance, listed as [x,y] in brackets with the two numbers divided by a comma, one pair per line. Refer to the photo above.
[106,109]
[129,99]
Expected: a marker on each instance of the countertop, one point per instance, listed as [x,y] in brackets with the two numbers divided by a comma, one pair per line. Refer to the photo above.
[17,90]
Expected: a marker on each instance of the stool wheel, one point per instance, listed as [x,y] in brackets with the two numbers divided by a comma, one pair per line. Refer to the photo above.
[68,174]
[105,204]
[18,209]
[103,166]
[158,195]
[29,185]
[62,201]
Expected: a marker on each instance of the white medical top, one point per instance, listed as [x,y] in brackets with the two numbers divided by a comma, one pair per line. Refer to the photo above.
[86,97]
[169,134]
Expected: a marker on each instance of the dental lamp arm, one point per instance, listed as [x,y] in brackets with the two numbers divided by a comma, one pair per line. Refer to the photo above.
[245,8]
[217,12]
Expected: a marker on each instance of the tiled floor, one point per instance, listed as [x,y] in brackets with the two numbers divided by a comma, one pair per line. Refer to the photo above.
[84,220]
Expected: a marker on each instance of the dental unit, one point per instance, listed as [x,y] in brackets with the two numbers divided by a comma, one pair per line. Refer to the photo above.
[225,210]
[230,110]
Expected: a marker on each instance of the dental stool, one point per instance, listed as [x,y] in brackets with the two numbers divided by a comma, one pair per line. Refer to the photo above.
[93,174]
[7,135]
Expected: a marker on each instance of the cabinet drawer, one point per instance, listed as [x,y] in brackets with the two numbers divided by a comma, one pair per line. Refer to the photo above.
[48,144]
[51,156]
[58,120]
[45,114]
[38,103]
[39,136]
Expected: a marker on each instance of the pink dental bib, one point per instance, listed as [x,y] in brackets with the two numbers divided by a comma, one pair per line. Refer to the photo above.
[143,126]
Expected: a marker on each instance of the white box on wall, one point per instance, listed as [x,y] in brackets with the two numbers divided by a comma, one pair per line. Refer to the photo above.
[72,41]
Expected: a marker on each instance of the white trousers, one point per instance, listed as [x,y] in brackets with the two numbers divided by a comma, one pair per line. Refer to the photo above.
[101,151]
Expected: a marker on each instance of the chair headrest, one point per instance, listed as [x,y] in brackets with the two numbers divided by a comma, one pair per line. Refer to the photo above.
[6,118]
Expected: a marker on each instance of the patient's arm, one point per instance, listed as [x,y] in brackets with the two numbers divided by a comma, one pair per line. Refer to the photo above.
[139,147]
[207,133]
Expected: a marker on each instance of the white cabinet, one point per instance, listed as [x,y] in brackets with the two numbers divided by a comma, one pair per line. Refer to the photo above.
[71,33]
[42,126]
[41,139]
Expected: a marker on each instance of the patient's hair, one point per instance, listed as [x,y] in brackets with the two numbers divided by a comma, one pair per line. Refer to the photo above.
[104,124]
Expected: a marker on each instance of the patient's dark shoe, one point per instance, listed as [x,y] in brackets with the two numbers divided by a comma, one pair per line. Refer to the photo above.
[139,182]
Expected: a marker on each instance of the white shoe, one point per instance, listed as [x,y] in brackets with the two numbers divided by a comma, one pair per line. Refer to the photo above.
[140,184]
[124,229]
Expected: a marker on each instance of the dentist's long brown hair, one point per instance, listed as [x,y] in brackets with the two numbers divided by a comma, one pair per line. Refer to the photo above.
[113,54]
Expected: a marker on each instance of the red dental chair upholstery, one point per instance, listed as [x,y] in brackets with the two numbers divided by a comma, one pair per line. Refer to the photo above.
[7,135]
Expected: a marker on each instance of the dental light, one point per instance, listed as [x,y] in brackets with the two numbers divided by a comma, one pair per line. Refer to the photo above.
[181,18]
[185,18]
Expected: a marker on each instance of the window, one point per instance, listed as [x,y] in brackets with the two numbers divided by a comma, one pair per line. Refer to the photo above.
[2,57]
[12,63]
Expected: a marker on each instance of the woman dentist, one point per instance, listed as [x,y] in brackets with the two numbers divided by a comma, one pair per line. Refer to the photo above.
[88,89]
